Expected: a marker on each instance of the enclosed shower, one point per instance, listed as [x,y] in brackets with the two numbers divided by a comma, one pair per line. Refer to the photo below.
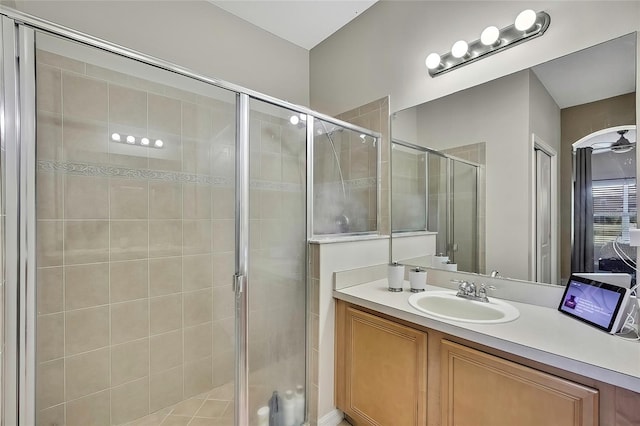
[154,238]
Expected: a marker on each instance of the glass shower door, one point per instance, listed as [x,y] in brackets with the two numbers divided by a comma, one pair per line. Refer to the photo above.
[135,214]
[464,215]
[277,261]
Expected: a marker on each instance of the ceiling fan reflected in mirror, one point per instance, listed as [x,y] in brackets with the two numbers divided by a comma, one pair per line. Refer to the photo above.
[620,146]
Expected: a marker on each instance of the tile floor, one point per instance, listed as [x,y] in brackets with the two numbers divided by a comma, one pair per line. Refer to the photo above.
[214,408]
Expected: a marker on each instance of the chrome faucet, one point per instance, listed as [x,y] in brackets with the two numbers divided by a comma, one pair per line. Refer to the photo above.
[468,290]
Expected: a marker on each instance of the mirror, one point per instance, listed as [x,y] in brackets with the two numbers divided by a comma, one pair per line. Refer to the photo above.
[483,177]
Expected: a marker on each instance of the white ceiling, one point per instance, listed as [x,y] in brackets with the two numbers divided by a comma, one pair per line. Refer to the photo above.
[302,22]
[599,72]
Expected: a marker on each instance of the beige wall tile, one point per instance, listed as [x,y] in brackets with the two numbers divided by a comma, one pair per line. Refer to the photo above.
[49,199]
[86,329]
[197,342]
[49,290]
[130,401]
[129,321]
[223,335]
[129,280]
[124,154]
[166,351]
[164,114]
[49,89]
[49,243]
[165,200]
[197,121]
[198,272]
[223,236]
[195,156]
[166,388]
[196,201]
[92,410]
[129,240]
[166,313]
[86,241]
[86,285]
[129,361]
[57,61]
[198,377]
[223,302]
[51,416]
[270,167]
[129,199]
[170,156]
[270,137]
[165,238]
[223,368]
[86,197]
[127,106]
[223,160]
[50,390]
[85,141]
[223,268]
[197,307]
[84,97]
[86,373]
[196,237]
[165,276]
[49,136]
[50,337]
[223,201]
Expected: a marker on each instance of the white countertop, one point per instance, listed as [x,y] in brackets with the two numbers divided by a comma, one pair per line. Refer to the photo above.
[540,334]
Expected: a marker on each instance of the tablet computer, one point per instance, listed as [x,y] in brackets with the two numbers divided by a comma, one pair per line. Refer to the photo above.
[596,303]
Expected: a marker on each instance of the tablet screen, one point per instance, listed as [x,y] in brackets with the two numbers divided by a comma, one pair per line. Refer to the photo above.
[591,301]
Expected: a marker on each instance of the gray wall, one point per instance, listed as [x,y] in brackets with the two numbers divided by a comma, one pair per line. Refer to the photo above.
[382,51]
[193,34]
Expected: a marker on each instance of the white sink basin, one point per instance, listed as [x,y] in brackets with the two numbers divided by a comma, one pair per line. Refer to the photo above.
[446,305]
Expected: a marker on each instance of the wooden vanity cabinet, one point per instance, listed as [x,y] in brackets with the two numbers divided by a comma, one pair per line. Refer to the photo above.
[385,377]
[385,370]
[481,389]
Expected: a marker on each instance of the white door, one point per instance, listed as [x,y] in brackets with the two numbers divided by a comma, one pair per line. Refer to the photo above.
[543,217]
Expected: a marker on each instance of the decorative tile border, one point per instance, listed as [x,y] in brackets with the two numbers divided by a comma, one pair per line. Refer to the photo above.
[368,182]
[83,169]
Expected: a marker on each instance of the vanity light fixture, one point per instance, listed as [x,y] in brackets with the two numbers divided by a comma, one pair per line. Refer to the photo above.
[528,24]
[132,140]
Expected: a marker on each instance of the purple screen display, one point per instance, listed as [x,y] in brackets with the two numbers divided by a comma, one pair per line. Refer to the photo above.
[594,304]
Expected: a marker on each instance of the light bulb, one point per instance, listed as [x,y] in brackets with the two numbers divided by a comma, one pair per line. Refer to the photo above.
[115,137]
[525,20]
[131,139]
[144,141]
[490,36]
[158,143]
[459,49]
[303,117]
[294,120]
[433,61]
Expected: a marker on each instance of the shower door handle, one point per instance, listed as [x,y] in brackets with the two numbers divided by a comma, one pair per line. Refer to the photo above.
[239,282]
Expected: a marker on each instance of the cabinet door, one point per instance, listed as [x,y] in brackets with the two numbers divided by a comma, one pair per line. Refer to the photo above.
[482,390]
[385,371]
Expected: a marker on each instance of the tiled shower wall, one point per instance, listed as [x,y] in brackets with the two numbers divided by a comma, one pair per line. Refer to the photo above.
[375,116]
[135,247]
[409,192]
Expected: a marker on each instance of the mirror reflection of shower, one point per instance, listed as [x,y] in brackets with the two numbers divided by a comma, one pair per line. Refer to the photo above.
[345,165]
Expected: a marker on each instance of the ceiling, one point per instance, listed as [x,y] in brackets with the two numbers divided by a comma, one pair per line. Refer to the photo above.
[585,76]
[307,23]
[302,22]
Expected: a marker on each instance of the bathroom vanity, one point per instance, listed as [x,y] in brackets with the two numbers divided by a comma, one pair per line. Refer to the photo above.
[395,366]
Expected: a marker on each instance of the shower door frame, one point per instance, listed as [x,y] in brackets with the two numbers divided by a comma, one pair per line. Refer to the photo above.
[17,111]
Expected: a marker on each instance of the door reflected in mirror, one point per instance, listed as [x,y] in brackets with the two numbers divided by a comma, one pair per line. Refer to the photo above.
[517,136]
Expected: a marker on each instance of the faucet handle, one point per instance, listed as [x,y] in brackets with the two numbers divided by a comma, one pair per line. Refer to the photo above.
[482,292]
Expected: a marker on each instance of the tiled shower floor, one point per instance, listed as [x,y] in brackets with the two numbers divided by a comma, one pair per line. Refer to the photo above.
[214,408]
